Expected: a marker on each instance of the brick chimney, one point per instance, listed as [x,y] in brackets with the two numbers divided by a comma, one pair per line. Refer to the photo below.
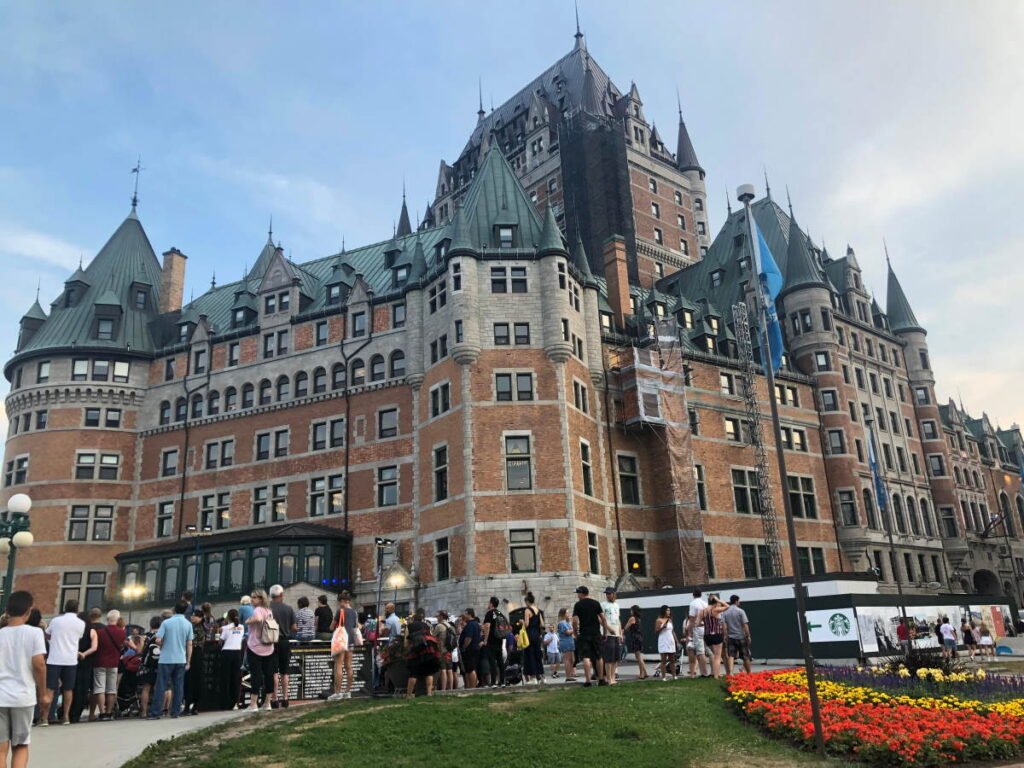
[617,277]
[172,280]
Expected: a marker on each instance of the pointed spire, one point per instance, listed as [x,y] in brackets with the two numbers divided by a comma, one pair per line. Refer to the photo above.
[404,226]
[137,170]
[580,261]
[551,236]
[480,93]
[901,316]
[580,42]
[591,99]
[686,155]
[767,186]
[801,270]
[35,312]
[728,202]
[418,269]
[270,230]
[789,204]
[851,258]
[459,228]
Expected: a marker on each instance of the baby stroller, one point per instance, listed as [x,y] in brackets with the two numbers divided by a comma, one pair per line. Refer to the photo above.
[128,703]
[514,663]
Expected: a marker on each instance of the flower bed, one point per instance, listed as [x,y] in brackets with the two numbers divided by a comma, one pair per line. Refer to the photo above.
[882,728]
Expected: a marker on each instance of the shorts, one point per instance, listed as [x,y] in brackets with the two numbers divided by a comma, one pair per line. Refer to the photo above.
[104,680]
[713,640]
[739,649]
[949,642]
[61,676]
[554,657]
[16,724]
[446,660]
[588,647]
[696,642]
[469,659]
[283,656]
[611,649]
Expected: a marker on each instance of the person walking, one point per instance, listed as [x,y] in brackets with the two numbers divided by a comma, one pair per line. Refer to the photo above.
[948,638]
[693,635]
[667,643]
[230,638]
[587,620]
[470,644]
[566,645]
[970,641]
[22,679]
[305,621]
[284,615]
[633,636]
[533,655]
[612,646]
[324,619]
[737,629]
[111,641]
[495,629]
[348,620]
[175,640]
[260,652]
[985,641]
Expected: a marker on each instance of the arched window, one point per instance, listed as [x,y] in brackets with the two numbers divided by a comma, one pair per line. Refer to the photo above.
[869,508]
[230,399]
[915,525]
[197,406]
[265,388]
[338,376]
[213,403]
[180,409]
[320,380]
[358,372]
[165,412]
[926,518]
[397,364]
[377,368]
[248,390]
[284,387]
[1006,512]
[897,511]
[301,384]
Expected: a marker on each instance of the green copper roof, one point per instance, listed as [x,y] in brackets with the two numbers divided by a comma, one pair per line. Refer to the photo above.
[901,316]
[551,237]
[35,312]
[686,155]
[801,269]
[126,258]
[496,195]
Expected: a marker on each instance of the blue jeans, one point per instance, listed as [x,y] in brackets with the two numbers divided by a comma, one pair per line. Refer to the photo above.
[168,674]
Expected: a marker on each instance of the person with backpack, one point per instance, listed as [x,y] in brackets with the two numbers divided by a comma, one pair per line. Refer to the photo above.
[495,628]
[262,644]
[150,657]
[175,640]
[447,641]
[422,657]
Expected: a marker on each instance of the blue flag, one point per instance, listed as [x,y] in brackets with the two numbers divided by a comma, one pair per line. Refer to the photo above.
[881,494]
[770,279]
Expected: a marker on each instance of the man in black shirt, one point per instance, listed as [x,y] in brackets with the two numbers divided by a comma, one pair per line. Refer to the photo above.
[492,662]
[587,622]
[285,617]
[324,618]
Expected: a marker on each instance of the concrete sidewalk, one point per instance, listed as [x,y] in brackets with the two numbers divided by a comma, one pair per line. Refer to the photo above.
[110,744]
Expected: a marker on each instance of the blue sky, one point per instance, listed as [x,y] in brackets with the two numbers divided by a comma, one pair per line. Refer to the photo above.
[885,120]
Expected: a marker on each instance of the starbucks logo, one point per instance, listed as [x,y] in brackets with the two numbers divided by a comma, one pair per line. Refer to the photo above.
[839,624]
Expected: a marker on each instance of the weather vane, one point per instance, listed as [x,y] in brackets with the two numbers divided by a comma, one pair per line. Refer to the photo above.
[137,170]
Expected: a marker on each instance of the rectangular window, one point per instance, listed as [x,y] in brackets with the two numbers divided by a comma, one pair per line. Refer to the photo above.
[928,430]
[523,550]
[43,372]
[440,399]
[282,342]
[732,430]
[499,283]
[801,497]
[636,557]
[281,443]
[270,305]
[727,383]
[215,511]
[836,442]
[199,361]
[92,417]
[358,324]
[233,349]
[593,553]
[505,237]
[387,423]
[268,345]
[321,333]
[121,371]
[579,396]
[709,556]
[441,473]
[398,315]
[518,279]
[16,471]
[164,519]
[501,335]
[936,465]
[442,559]
[518,463]
[746,497]
[586,469]
[659,236]
[921,396]
[821,361]
[521,333]
[629,479]
[80,370]
[41,417]
[168,463]
[263,446]
[387,486]
[848,507]
[829,400]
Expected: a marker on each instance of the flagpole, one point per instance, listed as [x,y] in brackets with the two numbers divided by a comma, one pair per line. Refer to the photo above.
[745,193]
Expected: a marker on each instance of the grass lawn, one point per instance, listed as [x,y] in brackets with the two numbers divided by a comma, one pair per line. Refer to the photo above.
[681,723]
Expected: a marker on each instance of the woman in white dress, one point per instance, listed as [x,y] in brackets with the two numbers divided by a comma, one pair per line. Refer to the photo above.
[666,643]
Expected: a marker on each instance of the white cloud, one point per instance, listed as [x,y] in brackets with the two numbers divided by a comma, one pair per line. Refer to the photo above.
[18,243]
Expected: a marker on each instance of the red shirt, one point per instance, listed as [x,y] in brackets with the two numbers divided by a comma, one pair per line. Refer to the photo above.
[902,632]
[111,641]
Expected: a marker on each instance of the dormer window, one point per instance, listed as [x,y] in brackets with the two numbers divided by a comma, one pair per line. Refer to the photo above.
[183,332]
[686,317]
[141,299]
[270,305]
[744,263]
[284,301]
[401,275]
[505,236]
[239,318]
[334,294]
[716,278]
[69,297]
[606,322]
[659,310]
[105,329]
[713,322]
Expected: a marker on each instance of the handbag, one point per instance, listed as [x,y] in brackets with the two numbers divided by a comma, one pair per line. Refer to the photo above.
[357,638]
[339,641]
[522,639]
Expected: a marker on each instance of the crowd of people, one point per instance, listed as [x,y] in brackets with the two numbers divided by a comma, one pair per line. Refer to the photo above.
[91,666]
[977,638]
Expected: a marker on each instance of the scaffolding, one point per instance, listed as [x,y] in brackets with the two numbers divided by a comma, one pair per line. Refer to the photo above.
[769,520]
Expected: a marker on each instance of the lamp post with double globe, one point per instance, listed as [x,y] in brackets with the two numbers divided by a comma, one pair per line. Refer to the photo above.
[14,535]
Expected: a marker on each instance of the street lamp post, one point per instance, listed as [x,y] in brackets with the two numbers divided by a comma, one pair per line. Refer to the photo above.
[130,594]
[14,535]
[381,544]
[198,534]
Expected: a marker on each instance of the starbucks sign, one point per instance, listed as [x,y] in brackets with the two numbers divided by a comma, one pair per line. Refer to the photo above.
[831,626]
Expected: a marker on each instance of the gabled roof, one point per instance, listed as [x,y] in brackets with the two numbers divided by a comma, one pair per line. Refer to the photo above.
[263,260]
[901,316]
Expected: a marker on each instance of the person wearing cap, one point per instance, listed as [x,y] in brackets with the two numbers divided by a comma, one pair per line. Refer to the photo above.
[611,648]
[737,630]
[587,622]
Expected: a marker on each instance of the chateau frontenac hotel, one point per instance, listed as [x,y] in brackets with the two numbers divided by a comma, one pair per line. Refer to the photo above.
[540,385]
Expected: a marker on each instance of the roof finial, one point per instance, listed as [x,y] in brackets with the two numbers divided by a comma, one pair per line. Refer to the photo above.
[343,243]
[789,202]
[480,94]
[679,106]
[270,230]
[767,186]
[579,35]
[213,280]
[79,260]
[135,193]
[886,247]
[728,202]
[39,281]
[403,188]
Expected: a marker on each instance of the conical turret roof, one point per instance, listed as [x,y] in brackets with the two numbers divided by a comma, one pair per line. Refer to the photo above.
[579,260]
[686,155]
[35,312]
[404,227]
[418,270]
[901,316]
[551,237]
[801,269]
